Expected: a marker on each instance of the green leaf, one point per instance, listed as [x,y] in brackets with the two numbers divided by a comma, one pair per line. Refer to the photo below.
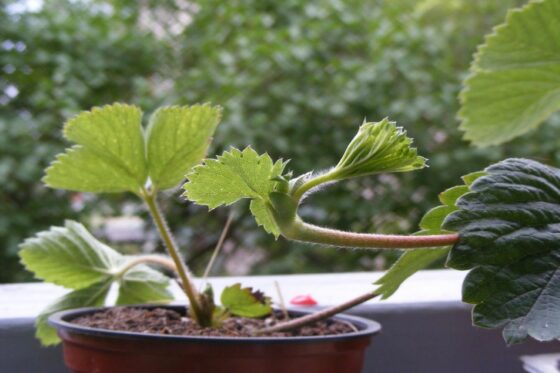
[509,227]
[69,256]
[244,302]
[408,264]
[109,155]
[92,296]
[142,284]
[232,176]
[412,261]
[82,170]
[378,147]
[515,81]
[262,211]
[235,175]
[177,139]
[468,179]
[431,222]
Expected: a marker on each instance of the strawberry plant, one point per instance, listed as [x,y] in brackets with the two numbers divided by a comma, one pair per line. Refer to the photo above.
[113,154]
[502,224]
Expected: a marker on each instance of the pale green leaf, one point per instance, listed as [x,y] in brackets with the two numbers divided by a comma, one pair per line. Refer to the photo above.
[378,147]
[468,179]
[92,296]
[262,212]
[232,176]
[109,156]
[177,139]
[515,81]
[431,221]
[408,264]
[83,170]
[69,256]
[450,196]
[142,284]
[245,302]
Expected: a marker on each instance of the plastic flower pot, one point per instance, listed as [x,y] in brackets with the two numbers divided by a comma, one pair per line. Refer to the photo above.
[106,351]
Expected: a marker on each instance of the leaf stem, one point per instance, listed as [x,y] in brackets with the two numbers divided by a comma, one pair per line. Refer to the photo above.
[152,259]
[281,301]
[312,183]
[301,231]
[218,246]
[167,237]
[318,316]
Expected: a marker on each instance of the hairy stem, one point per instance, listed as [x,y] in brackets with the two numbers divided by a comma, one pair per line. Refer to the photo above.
[171,246]
[148,259]
[305,232]
[318,316]
[295,229]
[312,183]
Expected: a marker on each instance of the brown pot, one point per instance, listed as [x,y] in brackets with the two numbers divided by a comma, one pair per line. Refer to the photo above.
[106,351]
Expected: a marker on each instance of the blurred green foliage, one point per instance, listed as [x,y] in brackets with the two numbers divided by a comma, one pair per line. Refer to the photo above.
[296,78]
[65,58]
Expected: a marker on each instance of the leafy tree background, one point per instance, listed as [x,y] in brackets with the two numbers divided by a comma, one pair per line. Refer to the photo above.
[295,78]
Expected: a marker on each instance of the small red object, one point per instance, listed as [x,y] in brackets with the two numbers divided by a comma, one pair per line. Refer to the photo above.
[303,300]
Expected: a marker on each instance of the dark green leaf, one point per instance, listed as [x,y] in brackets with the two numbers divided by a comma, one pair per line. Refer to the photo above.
[509,231]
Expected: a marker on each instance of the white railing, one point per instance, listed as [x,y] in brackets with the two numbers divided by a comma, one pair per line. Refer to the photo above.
[426,328]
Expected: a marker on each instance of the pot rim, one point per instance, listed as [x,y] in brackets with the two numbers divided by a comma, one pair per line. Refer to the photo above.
[62,322]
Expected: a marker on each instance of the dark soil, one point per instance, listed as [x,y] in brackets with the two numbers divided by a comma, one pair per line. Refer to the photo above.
[164,321]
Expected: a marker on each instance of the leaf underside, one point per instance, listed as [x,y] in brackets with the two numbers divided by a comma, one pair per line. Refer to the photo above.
[514,83]
[509,228]
[71,257]
[91,296]
[141,285]
[411,261]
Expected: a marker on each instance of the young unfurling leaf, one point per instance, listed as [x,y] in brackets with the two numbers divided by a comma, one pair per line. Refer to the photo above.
[378,147]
